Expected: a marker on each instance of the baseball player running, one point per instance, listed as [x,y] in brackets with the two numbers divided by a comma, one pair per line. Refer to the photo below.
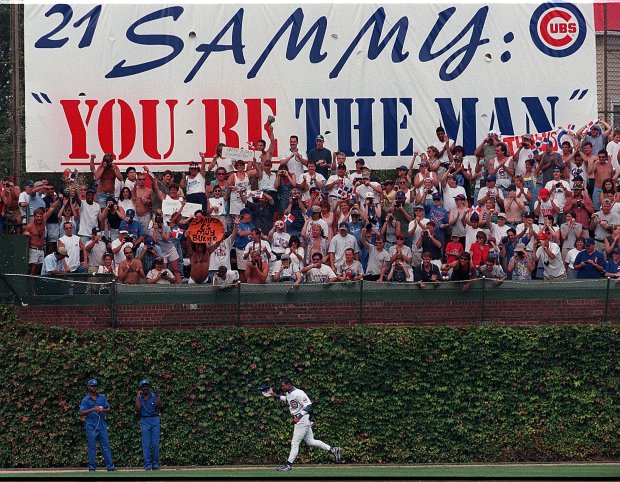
[300,406]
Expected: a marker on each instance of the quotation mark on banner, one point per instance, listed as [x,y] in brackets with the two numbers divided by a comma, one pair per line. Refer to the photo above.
[581,96]
[38,99]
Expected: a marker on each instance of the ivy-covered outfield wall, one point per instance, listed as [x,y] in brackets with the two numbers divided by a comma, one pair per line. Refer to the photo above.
[544,393]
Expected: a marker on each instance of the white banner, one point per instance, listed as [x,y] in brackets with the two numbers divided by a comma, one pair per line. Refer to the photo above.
[157,84]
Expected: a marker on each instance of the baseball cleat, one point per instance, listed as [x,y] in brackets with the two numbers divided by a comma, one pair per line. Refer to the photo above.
[285,467]
[336,452]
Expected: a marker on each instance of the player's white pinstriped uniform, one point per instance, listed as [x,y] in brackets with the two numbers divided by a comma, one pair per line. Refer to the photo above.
[300,405]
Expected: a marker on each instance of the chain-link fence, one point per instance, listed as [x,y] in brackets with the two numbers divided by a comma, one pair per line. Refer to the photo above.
[482,301]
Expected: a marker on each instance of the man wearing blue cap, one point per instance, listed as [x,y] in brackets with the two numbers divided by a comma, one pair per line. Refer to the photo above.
[589,263]
[148,406]
[94,407]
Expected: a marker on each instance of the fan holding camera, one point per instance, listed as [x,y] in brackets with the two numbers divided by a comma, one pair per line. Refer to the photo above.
[159,274]
[105,176]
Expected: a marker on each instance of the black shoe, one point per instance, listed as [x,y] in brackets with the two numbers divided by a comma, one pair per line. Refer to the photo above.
[336,452]
[285,467]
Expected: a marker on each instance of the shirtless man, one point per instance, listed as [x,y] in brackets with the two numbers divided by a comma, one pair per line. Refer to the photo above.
[36,231]
[130,270]
[199,257]
[266,154]
[106,174]
[257,270]
[601,169]
[10,199]
[142,198]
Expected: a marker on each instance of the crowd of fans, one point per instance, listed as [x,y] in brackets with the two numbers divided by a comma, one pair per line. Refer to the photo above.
[310,218]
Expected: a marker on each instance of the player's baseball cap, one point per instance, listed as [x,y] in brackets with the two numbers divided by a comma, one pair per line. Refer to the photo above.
[92,382]
[131,213]
[589,242]
[343,226]
[143,382]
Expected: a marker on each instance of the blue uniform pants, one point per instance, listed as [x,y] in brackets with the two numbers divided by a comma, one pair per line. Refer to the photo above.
[92,436]
[149,426]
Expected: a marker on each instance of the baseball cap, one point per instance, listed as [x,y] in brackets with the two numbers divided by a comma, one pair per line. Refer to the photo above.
[159,260]
[402,168]
[245,211]
[400,195]
[143,382]
[490,177]
[123,231]
[38,184]
[474,217]
[92,382]
[320,138]
[62,251]
[130,213]
[149,241]
[343,226]
[589,242]
[95,230]
[355,212]
[492,257]
[543,236]
[360,161]
[529,215]
[193,164]
[501,215]
[616,251]
[342,166]
[418,206]
[436,196]
[520,247]
[369,195]
[460,197]
[557,168]
[543,192]
[28,182]
[285,256]
[316,209]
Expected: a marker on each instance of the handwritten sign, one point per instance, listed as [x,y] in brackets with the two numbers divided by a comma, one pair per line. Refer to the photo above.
[205,230]
[189,209]
[170,206]
[237,153]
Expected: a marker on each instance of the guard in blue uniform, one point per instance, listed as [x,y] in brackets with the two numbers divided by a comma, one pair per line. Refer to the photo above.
[148,406]
[94,407]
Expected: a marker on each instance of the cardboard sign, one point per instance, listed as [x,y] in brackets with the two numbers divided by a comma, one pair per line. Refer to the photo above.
[205,230]
[236,153]
[170,206]
[189,209]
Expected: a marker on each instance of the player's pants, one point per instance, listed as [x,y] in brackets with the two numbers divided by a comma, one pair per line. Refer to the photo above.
[149,426]
[304,432]
[100,434]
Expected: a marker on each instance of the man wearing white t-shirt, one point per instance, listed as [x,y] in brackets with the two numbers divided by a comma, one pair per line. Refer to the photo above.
[317,272]
[339,243]
[294,159]
[549,253]
[523,153]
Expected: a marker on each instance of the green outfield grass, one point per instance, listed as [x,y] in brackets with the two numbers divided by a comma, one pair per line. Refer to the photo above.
[585,471]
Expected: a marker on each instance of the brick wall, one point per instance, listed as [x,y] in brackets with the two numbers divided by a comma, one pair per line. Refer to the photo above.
[183,316]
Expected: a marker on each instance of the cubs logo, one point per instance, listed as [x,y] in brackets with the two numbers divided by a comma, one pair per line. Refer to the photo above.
[294,404]
[558,29]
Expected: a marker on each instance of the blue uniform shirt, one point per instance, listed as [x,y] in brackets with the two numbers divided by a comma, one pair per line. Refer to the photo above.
[94,419]
[589,271]
[147,407]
